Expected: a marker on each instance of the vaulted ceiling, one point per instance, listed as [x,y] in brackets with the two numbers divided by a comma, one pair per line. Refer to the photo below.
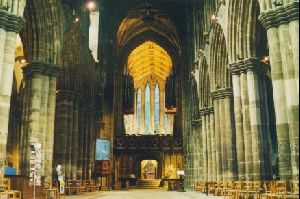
[149,63]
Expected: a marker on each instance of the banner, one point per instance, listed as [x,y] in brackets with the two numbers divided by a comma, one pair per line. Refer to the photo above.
[102,149]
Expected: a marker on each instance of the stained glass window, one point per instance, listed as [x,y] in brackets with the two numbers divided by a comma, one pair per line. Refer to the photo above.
[147,109]
[156,109]
[139,109]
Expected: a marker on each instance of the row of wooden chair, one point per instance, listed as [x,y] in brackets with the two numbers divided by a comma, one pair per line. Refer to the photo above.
[79,186]
[250,189]
[5,190]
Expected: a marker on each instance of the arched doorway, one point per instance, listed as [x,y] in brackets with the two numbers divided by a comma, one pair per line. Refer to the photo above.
[149,169]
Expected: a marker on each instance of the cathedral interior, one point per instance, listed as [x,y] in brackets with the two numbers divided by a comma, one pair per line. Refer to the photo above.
[184,94]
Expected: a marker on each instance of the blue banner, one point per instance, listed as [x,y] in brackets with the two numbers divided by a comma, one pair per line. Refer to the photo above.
[102,149]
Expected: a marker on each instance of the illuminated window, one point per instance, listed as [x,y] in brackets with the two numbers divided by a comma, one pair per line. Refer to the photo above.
[139,109]
[156,110]
[147,109]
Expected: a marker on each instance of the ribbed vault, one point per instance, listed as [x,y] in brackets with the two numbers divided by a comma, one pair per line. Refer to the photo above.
[149,62]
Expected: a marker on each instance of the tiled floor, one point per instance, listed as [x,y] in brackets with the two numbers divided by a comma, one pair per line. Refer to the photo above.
[139,194]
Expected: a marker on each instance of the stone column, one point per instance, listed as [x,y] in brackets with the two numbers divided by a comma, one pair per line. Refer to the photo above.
[81,127]
[213,144]
[49,144]
[218,139]
[75,138]
[10,26]
[161,107]
[204,145]
[246,127]
[152,105]
[256,122]
[64,130]
[240,146]
[225,131]
[40,79]
[223,138]
[209,150]
[282,24]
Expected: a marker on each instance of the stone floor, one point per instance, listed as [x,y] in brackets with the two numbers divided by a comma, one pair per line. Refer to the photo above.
[140,194]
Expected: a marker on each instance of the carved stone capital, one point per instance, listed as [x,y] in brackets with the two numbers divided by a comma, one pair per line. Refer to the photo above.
[249,64]
[222,93]
[206,111]
[11,22]
[280,15]
[42,68]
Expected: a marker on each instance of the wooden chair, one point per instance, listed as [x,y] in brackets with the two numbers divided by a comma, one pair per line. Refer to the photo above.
[237,186]
[293,189]
[246,191]
[277,189]
[80,185]
[51,193]
[11,194]
[198,186]
[212,188]
[71,188]
[4,184]
[227,187]
[219,189]
[201,187]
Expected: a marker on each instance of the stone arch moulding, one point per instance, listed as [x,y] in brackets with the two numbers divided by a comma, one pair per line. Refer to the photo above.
[42,33]
[218,59]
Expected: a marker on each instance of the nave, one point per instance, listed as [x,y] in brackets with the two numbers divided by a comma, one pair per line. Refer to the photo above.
[142,194]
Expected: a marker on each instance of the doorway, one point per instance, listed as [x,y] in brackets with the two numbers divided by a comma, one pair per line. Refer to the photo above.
[149,169]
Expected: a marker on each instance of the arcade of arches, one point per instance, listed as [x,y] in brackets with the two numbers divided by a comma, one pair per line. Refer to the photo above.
[209,87]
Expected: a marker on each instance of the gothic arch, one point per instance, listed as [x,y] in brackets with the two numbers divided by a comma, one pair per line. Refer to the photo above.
[218,58]
[245,33]
[42,33]
[204,83]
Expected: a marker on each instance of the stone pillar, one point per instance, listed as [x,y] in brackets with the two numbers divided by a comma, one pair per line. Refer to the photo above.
[204,145]
[10,26]
[282,24]
[40,81]
[209,149]
[246,127]
[213,144]
[75,138]
[225,131]
[218,140]
[152,105]
[81,127]
[64,131]
[240,146]
[253,81]
[161,107]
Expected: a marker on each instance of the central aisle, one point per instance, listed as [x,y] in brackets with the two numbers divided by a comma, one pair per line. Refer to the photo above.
[140,194]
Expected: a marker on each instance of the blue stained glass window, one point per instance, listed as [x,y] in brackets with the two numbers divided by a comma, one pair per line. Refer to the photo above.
[147,109]
[156,109]
[139,109]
